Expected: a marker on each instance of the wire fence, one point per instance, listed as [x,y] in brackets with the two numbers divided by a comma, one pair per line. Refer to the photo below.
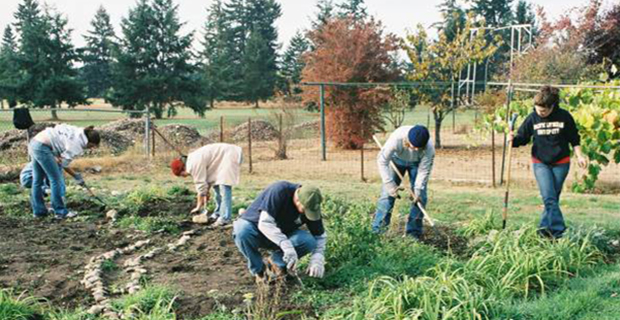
[284,142]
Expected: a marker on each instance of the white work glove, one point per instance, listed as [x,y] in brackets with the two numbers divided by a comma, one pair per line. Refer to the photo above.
[316,268]
[393,189]
[79,179]
[290,255]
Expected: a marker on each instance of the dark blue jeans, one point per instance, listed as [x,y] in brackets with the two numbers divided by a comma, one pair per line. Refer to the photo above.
[550,179]
[44,164]
[383,215]
[249,240]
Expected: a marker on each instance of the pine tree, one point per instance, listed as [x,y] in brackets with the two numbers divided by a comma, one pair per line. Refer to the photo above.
[154,67]
[97,55]
[354,9]
[45,59]
[214,57]
[259,80]
[453,18]
[325,12]
[497,13]
[8,71]
[292,61]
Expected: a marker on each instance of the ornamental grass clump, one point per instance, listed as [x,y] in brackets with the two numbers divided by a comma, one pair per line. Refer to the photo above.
[514,263]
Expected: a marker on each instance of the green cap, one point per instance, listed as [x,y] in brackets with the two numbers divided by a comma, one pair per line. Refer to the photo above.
[310,197]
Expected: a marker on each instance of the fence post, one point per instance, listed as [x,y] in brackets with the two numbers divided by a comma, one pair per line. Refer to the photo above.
[221,128]
[147,131]
[452,106]
[508,101]
[250,142]
[153,139]
[362,162]
[323,143]
[493,156]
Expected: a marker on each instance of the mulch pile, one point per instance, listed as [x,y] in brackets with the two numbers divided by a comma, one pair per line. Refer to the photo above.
[261,131]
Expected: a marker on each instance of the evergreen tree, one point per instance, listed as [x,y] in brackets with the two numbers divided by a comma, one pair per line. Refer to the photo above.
[9,74]
[45,59]
[524,14]
[453,18]
[154,67]
[325,12]
[496,13]
[354,9]
[97,55]
[292,62]
[214,57]
[259,78]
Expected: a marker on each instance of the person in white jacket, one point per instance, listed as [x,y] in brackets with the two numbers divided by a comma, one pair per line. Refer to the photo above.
[50,148]
[273,222]
[412,152]
[216,165]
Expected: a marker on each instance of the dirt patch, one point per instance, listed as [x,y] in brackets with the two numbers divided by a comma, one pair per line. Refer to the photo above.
[445,239]
[45,257]
[208,273]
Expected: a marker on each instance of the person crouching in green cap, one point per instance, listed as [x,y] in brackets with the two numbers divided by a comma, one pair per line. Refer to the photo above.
[273,222]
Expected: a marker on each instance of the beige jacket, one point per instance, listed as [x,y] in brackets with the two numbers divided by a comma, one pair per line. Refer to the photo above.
[214,164]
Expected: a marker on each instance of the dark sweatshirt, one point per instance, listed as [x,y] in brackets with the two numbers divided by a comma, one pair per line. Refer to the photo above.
[551,135]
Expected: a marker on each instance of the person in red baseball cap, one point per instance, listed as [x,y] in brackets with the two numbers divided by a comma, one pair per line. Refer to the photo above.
[216,165]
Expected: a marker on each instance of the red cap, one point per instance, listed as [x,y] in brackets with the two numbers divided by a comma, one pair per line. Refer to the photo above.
[177,167]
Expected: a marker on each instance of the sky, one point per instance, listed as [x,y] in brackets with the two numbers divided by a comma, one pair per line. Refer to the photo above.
[397,16]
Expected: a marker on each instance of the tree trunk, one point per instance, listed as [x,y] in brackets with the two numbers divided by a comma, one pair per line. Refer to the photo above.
[438,132]
[157,110]
[54,114]
[256,104]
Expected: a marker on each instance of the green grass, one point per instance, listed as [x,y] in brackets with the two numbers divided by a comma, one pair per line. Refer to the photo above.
[152,302]
[17,307]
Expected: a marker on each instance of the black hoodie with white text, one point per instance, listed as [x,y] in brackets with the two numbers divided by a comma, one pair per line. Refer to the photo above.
[552,135]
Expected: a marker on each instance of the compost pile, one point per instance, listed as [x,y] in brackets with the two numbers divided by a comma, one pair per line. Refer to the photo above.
[181,135]
[18,140]
[261,131]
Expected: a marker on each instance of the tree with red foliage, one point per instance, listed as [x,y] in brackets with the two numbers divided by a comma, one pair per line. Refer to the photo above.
[348,50]
[602,41]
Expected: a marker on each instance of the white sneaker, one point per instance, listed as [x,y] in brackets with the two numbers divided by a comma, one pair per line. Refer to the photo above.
[221,222]
[70,214]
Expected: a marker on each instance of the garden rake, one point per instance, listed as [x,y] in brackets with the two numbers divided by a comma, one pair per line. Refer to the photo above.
[92,194]
[511,125]
[411,193]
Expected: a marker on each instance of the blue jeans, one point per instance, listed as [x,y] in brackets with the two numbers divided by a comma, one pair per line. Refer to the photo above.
[550,179]
[249,239]
[25,179]
[44,164]
[223,201]
[383,215]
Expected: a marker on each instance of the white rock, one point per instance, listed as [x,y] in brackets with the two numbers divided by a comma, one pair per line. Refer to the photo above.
[615,243]
[111,214]
[115,193]
[142,243]
[95,310]
[99,297]
[189,233]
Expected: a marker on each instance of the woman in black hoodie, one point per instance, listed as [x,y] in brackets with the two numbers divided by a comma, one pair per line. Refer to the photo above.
[553,129]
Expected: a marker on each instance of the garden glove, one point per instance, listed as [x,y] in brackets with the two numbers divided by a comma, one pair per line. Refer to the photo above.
[290,255]
[393,190]
[316,268]
[415,198]
[79,179]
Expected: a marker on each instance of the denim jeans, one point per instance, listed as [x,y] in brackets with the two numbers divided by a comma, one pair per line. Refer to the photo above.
[223,202]
[25,179]
[385,204]
[44,164]
[249,240]
[550,179]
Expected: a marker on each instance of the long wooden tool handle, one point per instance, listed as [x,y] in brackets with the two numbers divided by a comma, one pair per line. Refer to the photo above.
[506,195]
[167,142]
[402,180]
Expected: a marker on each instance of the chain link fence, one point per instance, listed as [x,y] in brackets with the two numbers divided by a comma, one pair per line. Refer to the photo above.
[285,142]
